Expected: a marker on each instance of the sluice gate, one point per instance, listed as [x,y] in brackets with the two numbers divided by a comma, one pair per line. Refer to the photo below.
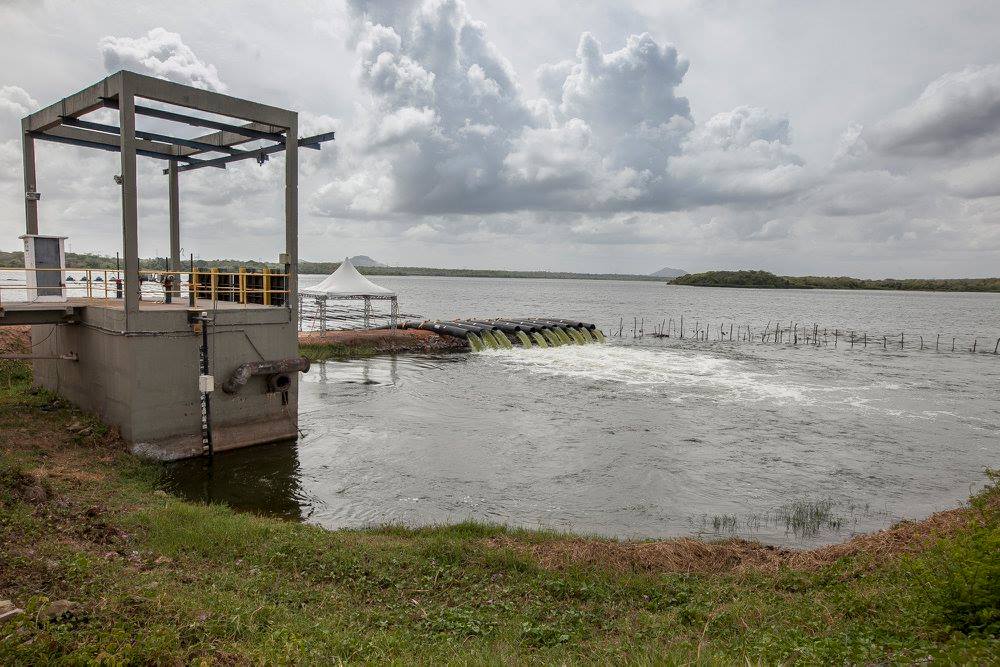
[504,333]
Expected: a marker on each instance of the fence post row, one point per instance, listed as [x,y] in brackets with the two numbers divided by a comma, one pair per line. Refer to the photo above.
[778,334]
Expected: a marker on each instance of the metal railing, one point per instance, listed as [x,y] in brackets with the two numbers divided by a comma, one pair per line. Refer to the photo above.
[266,288]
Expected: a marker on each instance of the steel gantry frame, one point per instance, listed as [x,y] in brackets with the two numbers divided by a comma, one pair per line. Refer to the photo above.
[61,123]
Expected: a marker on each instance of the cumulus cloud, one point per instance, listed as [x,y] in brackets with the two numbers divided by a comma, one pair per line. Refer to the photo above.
[162,54]
[958,112]
[444,147]
[739,156]
[448,130]
[15,103]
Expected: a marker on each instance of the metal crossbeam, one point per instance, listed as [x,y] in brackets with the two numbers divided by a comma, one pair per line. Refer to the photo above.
[200,122]
[96,142]
[152,136]
[306,142]
[224,138]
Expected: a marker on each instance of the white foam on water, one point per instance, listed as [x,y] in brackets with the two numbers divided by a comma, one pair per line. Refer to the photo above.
[656,368]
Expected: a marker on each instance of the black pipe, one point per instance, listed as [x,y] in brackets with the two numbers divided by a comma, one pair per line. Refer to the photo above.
[535,326]
[576,324]
[506,327]
[530,327]
[277,367]
[444,329]
[475,328]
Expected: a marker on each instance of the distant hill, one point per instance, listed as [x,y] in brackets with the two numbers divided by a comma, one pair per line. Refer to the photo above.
[667,272]
[769,280]
[364,260]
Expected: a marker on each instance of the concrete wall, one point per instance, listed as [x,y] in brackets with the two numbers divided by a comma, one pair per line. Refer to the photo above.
[146,383]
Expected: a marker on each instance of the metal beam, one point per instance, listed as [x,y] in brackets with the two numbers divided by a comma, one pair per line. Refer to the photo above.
[130,204]
[224,138]
[102,138]
[174,198]
[108,142]
[30,186]
[151,88]
[292,215]
[200,122]
[83,102]
[306,142]
[151,136]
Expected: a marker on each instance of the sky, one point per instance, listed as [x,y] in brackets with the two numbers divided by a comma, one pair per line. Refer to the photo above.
[821,138]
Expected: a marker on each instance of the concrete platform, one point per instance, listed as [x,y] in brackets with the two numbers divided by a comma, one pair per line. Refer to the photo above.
[54,312]
[145,382]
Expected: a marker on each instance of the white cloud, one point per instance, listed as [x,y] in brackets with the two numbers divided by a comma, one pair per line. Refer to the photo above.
[15,103]
[449,130]
[977,179]
[161,54]
[957,113]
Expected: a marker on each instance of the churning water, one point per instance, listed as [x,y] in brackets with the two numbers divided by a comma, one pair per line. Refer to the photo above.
[644,438]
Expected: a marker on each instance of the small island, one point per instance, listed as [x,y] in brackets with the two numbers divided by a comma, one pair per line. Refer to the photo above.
[765,279]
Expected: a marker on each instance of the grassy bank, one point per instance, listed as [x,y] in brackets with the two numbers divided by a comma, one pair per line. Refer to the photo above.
[149,577]
[354,344]
[335,351]
[764,279]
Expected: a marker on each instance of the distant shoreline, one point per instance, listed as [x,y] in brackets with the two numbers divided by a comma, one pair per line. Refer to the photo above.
[766,280]
[15,260]
[730,279]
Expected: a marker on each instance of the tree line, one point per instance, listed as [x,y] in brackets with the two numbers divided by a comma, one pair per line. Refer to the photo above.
[15,260]
[766,279]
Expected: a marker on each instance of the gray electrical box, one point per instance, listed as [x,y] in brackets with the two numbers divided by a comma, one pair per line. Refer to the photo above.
[45,267]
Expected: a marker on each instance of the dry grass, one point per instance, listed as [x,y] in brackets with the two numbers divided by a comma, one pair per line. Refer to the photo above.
[735,555]
[15,340]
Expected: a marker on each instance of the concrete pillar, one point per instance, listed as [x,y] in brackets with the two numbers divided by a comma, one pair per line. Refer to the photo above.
[292,214]
[130,203]
[30,205]
[175,218]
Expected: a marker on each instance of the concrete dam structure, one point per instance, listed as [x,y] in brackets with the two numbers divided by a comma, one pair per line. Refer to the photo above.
[183,361]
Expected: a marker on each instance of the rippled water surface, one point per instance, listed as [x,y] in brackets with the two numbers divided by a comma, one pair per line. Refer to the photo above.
[644,438]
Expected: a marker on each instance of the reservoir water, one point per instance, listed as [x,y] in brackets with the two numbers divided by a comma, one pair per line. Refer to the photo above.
[643,438]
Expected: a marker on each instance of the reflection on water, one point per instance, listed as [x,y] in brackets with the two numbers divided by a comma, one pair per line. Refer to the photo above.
[261,480]
[648,438]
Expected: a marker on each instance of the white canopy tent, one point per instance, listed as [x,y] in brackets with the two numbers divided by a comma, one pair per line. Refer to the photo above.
[346,283]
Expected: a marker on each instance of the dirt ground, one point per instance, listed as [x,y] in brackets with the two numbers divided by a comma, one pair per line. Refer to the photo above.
[15,340]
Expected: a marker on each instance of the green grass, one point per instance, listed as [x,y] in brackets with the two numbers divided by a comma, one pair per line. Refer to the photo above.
[159,579]
[335,351]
